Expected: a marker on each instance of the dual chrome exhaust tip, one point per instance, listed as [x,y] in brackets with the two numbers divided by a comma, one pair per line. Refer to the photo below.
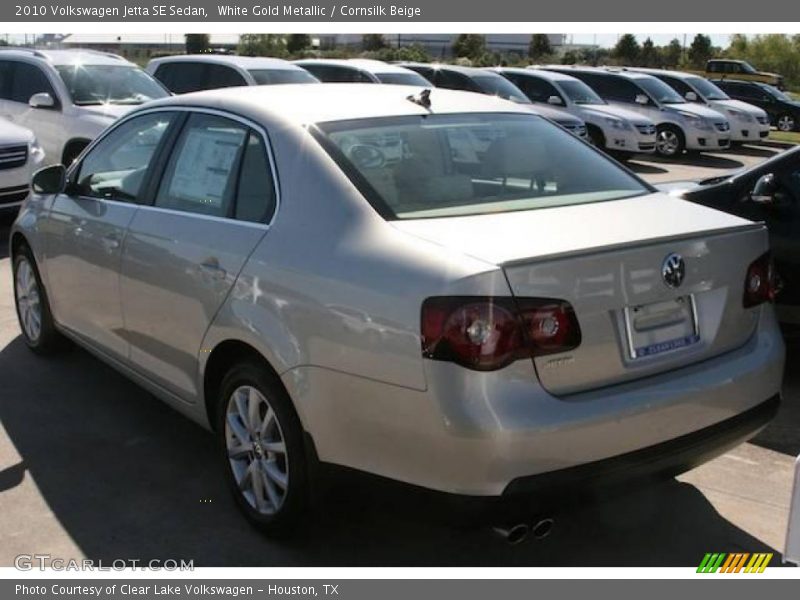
[519,532]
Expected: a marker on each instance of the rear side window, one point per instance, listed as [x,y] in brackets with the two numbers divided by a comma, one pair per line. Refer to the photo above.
[255,198]
[450,80]
[337,74]
[218,167]
[220,76]
[182,77]
[537,90]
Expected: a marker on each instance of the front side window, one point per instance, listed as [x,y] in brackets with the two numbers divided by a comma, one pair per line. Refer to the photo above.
[579,92]
[706,89]
[115,168]
[281,76]
[21,81]
[534,88]
[109,84]
[660,91]
[220,76]
[495,85]
[450,165]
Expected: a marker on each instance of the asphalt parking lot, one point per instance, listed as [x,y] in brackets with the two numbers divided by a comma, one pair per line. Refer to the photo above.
[92,466]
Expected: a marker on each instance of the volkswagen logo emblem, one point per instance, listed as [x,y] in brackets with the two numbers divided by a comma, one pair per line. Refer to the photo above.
[673,270]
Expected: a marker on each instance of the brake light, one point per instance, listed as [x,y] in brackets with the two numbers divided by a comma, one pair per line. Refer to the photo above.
[761,283]
[489,333]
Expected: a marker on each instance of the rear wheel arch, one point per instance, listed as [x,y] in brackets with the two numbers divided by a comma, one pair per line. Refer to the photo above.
[222,358]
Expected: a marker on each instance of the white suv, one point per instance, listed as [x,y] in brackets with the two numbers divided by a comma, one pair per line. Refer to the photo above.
[616,129]
[680,125]
[20,156]
[67,97]
[748,123]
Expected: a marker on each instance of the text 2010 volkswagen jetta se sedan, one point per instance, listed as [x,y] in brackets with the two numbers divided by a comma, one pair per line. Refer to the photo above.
[437,287]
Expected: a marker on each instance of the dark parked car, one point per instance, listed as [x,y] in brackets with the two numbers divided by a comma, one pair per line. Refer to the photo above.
[783,112]
[768,192]
[470,79]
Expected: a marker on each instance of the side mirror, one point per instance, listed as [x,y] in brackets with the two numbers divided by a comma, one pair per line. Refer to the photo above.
[764,190]
[642,99]
[691,96]
[42,100]
[50,180]
[555,100]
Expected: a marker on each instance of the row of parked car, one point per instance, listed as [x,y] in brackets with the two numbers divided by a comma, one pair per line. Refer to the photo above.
[67,97]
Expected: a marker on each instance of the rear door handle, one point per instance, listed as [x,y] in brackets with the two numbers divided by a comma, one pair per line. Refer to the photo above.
[212,266]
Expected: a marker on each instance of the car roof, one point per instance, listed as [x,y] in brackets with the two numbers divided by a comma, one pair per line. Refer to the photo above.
[365,64]
[675,74]
[621,71]
[245,62]
[68,57]
[300,105]
[535,71]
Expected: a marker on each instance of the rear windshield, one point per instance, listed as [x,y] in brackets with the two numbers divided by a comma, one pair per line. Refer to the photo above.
[466,164]
[410,78]
[279,76]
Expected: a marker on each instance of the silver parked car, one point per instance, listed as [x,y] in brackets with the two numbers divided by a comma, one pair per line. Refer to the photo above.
[434,286]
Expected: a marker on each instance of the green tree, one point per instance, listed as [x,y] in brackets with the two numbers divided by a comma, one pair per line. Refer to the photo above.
[700,51]
[671,53]
[372,42]
[297,42]
[469,45]
[627,50]
[197,43]
[262,44]
[649,55]
[539,46]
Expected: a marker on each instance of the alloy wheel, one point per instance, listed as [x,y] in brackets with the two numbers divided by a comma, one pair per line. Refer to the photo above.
[786,123]
[256,450]
[667,142]
[28,297]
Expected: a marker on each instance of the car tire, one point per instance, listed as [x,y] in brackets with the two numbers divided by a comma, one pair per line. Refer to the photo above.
[261,448]
[33,308]
[670,141]
[786,123]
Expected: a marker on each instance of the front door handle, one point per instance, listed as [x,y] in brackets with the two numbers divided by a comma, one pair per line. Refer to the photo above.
[110,242]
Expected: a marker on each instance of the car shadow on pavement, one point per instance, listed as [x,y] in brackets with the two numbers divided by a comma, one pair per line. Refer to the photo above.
[644,169]
[5,226]
[782,434]
[754,151]
[128,478]
[708,161]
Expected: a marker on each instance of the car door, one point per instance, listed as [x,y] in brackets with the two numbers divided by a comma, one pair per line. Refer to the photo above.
[87,226]
[184,251]
[21,80]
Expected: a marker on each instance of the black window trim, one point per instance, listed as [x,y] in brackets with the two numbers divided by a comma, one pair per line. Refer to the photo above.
[158,164]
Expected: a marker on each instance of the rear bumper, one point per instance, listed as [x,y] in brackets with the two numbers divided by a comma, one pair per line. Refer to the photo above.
[666,459]
[481,434]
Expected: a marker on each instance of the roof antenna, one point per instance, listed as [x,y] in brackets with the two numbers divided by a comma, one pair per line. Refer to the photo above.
[423,98]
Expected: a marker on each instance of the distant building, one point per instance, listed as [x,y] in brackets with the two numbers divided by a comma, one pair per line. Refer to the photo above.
[441,45]
[143,46]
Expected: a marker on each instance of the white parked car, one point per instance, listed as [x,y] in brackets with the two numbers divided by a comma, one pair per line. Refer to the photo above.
[67,97]
[748,123]
[499,310]
[611,127]
[680,125]
[360,70]
[20,156]
[195,72]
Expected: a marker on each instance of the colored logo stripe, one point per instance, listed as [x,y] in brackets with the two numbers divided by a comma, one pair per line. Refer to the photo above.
[735,562]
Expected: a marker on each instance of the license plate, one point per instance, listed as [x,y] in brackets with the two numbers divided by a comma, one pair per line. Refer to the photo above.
[661,327]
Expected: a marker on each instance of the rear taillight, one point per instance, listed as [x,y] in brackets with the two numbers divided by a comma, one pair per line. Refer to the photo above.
[488,333]
[761,282]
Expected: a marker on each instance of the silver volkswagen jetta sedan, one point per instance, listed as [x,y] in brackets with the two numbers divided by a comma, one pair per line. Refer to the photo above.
[437,287]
